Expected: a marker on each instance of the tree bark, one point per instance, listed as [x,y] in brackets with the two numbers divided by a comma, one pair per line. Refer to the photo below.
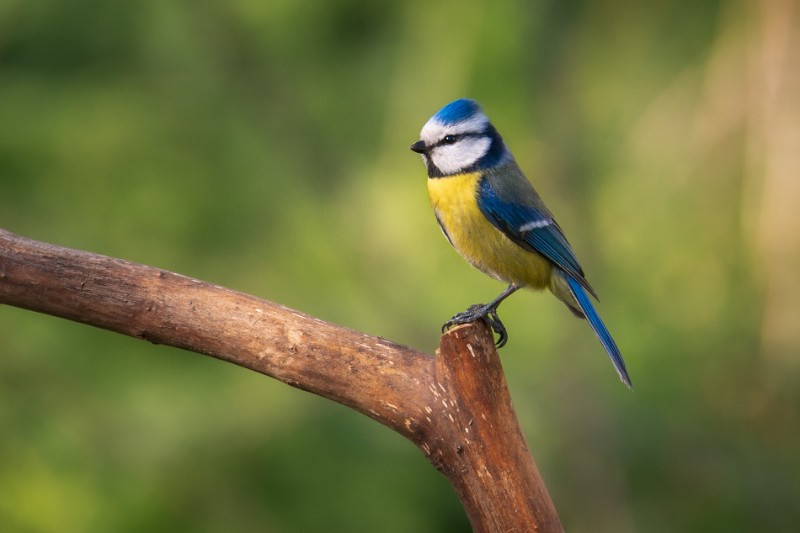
[455,407]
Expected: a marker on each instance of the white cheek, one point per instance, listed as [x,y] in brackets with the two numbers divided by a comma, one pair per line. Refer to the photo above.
[453,158]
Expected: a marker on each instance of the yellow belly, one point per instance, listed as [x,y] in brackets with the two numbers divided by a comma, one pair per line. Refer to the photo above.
[477,240]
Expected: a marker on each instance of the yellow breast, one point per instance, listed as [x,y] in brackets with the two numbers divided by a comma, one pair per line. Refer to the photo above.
[455,203]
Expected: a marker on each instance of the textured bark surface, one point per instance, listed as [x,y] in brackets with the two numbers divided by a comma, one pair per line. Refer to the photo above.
[455,407]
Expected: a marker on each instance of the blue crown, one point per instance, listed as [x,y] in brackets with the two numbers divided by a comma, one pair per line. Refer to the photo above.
[458,111]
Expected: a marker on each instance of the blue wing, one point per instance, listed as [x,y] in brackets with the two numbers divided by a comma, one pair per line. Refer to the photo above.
[532,228]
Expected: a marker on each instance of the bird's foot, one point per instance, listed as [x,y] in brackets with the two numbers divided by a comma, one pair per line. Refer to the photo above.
[488,314]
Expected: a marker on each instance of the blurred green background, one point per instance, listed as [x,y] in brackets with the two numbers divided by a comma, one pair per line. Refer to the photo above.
[263,145]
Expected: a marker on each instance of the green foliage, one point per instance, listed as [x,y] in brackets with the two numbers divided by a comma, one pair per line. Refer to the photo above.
[263,145]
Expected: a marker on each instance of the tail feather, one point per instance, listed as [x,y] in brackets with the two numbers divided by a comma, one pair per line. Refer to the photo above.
[599,328]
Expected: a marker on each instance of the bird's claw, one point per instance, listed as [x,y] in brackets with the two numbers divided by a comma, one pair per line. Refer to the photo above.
[470,315]
[487,314]
[497,326]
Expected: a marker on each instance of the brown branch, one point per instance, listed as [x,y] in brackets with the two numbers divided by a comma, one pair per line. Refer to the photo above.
[456,407]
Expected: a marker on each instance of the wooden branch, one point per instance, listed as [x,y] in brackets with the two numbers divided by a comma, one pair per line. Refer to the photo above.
[456,407]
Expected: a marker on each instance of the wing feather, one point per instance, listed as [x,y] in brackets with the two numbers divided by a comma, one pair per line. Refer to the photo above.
[531,227]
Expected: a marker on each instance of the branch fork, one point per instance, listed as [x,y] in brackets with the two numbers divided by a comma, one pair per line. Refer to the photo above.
[455,407]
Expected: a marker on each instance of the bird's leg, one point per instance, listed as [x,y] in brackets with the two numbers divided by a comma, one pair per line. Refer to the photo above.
[486,312]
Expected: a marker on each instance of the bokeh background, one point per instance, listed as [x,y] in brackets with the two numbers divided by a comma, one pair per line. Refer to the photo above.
[263,145]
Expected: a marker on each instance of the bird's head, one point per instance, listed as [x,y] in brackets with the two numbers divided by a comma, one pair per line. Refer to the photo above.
[459,138]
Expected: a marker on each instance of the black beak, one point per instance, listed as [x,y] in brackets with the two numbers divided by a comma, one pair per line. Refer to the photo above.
[419,147]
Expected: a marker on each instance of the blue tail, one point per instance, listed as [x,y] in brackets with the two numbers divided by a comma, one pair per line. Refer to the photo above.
[599,328]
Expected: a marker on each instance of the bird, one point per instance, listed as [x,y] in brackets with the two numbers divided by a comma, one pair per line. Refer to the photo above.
[491,214]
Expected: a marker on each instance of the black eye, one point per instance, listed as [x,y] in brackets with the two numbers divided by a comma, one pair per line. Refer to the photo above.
[449,139]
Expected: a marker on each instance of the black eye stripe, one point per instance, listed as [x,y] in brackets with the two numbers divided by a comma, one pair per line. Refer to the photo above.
[455,137]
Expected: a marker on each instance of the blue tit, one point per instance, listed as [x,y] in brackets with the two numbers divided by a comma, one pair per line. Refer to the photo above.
[491,214]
